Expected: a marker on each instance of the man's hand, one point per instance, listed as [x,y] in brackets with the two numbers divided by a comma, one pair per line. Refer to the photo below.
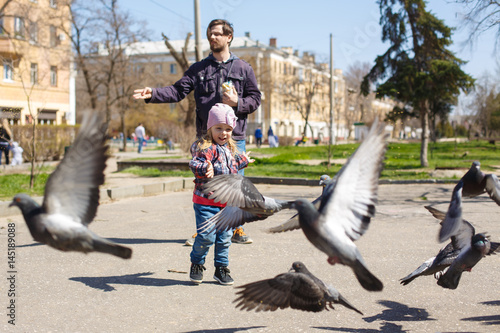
[230,97]
[144,93]
[210,170]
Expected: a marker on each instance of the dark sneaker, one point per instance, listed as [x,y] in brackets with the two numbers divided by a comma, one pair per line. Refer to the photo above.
[240,237]
[222,276]
[196,273]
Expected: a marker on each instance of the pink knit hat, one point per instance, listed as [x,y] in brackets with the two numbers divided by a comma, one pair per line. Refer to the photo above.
[221,113]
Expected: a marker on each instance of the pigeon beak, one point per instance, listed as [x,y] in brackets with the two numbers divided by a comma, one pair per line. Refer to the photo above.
[12,204]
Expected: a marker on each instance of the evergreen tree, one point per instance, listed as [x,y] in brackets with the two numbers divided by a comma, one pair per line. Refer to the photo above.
[418,68]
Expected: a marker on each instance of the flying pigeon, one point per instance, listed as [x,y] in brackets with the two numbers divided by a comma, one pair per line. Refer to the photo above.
[467,248]
[244,202]
[72,196]
[446,255]
[298,289]
[347,206]
[473,183]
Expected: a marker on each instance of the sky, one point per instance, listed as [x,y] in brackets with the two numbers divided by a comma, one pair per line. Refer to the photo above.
[307,25]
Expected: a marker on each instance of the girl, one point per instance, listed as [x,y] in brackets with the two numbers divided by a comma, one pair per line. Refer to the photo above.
[215,154]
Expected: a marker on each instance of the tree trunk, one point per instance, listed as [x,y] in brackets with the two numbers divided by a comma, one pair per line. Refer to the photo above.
[424,116]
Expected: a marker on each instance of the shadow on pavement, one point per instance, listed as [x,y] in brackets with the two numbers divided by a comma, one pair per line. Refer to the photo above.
[145,241]
[399,312]
[386,327]
[487,320]
[226,330]
[104,282]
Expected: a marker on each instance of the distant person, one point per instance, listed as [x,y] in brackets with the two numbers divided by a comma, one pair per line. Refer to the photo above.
[215,154]
[271,138]
[221,77]
[258,137]
[5,139]
[17,154]
[140,134]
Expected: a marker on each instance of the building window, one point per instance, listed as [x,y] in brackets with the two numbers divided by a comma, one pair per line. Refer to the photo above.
[33,30]
[2,30]
[19,27]
[173,68]
[53,3]
[34,74]
[53,76]
[54,41]
[158,69]
[8,72]
[172,107]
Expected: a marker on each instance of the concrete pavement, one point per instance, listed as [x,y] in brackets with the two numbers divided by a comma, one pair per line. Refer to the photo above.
[73,292]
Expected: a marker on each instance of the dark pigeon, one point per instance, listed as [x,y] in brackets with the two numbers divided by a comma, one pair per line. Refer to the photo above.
[473,183]
[244,202]
[467,248]
[298,289]
[478,247]
[72,196]
[446,255]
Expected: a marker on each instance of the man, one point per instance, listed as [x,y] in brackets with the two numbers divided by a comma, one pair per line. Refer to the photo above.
[219,78]
[140,134]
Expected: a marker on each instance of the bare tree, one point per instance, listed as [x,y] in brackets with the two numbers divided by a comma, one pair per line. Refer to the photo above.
[183,62]
[486,106]
[480,16]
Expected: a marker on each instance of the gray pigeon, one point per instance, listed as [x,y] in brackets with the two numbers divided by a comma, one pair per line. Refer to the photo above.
[473,183]
[347,206]
[478,247]
[72,196]
[446,255]
[244,202]
[467,248]
[298,289]
[293,222]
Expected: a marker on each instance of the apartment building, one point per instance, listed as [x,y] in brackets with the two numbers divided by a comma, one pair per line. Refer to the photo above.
[292,85]
[35,57]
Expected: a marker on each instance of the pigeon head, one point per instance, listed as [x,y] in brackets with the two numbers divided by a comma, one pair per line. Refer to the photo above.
[481,243]
[24,202]
[476,164]
[323,179]
[297,266]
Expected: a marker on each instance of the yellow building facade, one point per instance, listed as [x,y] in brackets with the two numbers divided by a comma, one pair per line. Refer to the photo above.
[35,56]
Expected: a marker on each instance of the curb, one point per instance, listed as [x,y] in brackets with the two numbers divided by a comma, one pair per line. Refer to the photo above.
[117,193]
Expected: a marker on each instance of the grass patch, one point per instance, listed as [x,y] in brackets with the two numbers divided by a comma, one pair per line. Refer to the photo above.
[10,185]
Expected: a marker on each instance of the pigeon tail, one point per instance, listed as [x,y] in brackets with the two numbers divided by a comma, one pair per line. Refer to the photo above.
[450,281]
[105,246]
[366,278]
[344,302]
[421,270]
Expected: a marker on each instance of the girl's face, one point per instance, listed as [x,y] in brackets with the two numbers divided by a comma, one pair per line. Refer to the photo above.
[221,133]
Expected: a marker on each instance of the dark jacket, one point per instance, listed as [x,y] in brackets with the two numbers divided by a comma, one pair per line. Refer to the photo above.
[4,136]
[205,78]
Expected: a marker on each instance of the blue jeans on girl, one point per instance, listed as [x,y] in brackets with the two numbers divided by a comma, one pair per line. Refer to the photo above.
[207,238]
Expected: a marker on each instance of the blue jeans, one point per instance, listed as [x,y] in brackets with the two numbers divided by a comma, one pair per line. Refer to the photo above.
[207,238]
[141,142]
[241,145]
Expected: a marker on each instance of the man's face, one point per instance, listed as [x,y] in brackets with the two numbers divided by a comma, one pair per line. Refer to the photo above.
[218,41]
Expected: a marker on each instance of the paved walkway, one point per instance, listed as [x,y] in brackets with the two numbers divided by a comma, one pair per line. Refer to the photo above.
[73,292]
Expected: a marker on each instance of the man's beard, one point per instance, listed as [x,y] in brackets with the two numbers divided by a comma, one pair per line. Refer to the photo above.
[216,48]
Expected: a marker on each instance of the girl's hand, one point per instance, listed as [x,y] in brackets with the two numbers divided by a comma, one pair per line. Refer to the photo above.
[210,170]
[247,155]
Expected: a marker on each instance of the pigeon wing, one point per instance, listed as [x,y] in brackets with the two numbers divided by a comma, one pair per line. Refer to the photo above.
[464,232]
[230,217]
[493,187]
[453,218]
[350,201]
[73,188]
[295,290]
[235,190]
